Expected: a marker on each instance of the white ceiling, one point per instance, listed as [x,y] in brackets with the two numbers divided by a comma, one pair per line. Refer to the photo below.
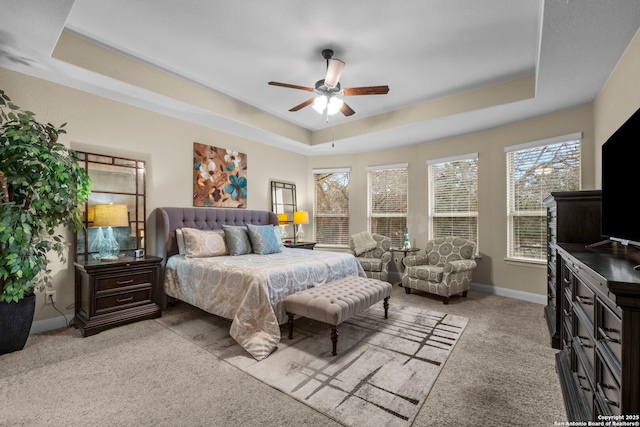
[421,49]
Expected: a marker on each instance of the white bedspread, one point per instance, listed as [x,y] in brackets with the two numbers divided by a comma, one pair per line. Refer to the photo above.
[250,289]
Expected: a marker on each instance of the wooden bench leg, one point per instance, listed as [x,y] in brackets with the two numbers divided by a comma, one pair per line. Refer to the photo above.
[386,307]
[334,340]
[290,326]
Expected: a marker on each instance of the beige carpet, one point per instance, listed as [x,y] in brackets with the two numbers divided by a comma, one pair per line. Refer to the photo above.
[500,373]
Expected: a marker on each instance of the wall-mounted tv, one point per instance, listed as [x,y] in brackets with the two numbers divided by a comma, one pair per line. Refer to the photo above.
[621,183]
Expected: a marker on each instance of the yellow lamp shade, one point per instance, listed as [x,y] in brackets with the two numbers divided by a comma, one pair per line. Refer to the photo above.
[91,213]
[283,218]
[301,217]
[110,216]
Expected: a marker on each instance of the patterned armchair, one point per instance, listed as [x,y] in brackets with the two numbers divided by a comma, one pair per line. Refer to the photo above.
[374,262]
[445,269]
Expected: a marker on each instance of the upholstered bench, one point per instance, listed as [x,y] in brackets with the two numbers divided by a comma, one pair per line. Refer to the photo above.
[337,301]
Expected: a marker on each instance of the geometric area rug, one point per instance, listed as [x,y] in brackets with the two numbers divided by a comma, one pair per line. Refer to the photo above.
[382,374]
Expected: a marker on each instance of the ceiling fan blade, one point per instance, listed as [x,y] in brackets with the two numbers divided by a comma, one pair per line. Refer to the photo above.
[346,110]
[367,90]
[308,89]
[304,104]
[334,70]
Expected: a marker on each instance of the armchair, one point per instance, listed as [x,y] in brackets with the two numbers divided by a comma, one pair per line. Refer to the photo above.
[374,260]
[445,269]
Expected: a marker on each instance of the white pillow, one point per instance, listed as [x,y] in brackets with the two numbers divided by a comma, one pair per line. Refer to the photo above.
[180,240]
[204,243]
[363,242]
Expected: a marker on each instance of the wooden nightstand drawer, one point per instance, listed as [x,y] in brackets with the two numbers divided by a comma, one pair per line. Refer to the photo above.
[122,300]
[113,282]
[115,293]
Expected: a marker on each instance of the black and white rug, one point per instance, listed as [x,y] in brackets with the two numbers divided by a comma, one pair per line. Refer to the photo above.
[381,376]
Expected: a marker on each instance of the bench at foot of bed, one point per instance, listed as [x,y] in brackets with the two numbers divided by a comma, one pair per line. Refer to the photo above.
[337,301]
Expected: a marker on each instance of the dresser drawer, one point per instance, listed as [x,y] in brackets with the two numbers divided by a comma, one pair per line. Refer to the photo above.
[585,298]
[608,390]
[610,331]
[584,382]
[123,300]
[128,279]
[583,340]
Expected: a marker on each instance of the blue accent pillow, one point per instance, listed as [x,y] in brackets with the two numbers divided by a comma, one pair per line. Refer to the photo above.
[237,239]
[263,239]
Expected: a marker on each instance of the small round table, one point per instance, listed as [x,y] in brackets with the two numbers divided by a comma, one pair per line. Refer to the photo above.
[404,251]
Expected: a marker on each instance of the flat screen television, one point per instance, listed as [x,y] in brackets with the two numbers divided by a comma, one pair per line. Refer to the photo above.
[621,183]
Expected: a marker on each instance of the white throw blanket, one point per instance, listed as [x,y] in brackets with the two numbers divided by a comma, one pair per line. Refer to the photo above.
[363,242]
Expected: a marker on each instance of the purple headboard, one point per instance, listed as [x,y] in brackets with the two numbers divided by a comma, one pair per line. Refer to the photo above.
[168,219]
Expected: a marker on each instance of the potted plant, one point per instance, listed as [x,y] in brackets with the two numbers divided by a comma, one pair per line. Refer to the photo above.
[42,186]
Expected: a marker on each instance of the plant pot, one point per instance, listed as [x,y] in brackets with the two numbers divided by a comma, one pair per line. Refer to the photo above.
[15,323]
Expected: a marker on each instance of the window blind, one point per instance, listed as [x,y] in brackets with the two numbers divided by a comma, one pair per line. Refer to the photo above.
[388,201]
[453,197]
[331,219]
[533,173]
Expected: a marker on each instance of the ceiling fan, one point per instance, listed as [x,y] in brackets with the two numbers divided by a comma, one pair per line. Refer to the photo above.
[329,87]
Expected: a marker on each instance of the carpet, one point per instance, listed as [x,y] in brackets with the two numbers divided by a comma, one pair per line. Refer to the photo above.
[382,374]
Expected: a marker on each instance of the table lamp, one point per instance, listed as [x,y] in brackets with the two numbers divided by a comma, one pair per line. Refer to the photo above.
[109,216]
[300,218]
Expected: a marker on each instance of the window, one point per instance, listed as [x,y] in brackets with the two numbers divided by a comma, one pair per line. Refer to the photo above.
[388,187]
[453,197]
[534,170]
[331,217]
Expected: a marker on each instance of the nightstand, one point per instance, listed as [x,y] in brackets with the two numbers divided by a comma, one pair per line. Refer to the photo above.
[301,245]
[115,293]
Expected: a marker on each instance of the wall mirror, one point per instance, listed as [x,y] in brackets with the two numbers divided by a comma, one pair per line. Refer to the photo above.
[283,203]
[116,206]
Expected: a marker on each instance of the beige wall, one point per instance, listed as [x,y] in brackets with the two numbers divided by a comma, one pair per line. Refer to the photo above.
[618,99]
[492,269]
[100,125]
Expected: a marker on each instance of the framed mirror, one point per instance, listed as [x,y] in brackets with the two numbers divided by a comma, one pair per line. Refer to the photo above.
[115,206]
[283,203]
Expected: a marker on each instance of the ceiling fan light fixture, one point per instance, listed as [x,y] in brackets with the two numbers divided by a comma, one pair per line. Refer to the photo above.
[335,104]
[320,103]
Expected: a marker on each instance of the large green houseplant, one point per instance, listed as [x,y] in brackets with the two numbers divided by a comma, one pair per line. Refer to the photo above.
[41,186]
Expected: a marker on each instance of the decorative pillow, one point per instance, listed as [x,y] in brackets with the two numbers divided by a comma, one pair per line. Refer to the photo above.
[263,239]
[278,233]
[180,239]
[237,239]
[363,242]
[203,243]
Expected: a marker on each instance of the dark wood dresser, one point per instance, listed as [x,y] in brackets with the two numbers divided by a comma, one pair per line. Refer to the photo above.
[599,364]
[114,293]
[572,217]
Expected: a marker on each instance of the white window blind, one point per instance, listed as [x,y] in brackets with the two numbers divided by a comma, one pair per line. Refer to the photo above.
[388,200]
[533,171]
[453,197]
[331,219]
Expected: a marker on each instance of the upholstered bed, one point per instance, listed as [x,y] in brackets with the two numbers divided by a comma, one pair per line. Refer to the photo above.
[248,289]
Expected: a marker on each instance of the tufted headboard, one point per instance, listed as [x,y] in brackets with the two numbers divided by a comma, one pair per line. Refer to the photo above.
[168,219]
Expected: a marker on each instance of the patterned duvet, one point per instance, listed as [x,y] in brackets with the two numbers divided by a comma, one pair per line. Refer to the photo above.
[250,289]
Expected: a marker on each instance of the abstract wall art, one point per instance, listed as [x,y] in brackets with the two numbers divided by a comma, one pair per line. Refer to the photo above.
[219,177]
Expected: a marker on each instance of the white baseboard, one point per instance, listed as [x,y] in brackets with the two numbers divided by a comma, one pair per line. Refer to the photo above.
[60,322]
[510,293]
[49,324]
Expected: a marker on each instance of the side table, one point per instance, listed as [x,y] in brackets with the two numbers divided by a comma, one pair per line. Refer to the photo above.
[405,252]
[114,293]
[301,245]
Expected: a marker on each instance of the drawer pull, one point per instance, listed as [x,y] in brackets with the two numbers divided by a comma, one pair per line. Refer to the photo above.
[566,313]
[581,377]
[125,282]
[604,331]
[124,299]
[584,300]
[604,396]
[582,343]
